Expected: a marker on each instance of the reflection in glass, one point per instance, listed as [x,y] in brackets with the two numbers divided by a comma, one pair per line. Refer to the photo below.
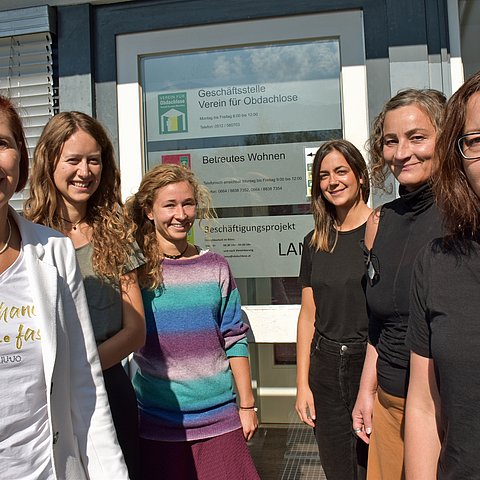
[242,118]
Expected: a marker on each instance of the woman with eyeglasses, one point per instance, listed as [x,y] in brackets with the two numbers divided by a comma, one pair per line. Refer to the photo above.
[402,142]
[442,422]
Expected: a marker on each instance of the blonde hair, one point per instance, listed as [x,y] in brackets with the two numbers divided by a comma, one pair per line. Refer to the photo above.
[111,231]
[138,205]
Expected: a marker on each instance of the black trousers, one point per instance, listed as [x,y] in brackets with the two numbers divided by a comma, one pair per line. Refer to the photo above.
[334,377]
[123,405]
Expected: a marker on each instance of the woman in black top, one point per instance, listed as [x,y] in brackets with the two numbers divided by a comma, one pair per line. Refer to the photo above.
[442,422]
[402,142]
[332,325]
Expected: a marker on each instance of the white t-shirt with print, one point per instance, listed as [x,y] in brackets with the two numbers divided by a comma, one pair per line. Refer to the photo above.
[25,440]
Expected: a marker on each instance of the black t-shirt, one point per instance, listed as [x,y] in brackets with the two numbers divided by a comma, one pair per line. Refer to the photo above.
[406,225]
[445,325]
[338,281]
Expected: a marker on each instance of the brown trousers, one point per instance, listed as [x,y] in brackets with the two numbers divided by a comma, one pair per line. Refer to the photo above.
[386,451]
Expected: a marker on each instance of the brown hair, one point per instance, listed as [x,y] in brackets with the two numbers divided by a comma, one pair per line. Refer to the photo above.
[324,213]
[138,205]
[15,123]
[431,102]
[112,233]
[456,199]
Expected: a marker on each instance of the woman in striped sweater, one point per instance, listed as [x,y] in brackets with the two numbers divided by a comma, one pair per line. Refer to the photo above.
[190,424]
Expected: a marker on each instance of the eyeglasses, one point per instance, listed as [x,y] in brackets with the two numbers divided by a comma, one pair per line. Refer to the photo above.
[469,145]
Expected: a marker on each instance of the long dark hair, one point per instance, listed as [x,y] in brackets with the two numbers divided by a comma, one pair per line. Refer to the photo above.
[324,213]
[456,199]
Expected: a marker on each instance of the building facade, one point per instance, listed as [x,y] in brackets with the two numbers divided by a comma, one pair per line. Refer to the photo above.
[243,93]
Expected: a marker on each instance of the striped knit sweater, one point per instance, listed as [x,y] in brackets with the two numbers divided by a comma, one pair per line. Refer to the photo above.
[184,384]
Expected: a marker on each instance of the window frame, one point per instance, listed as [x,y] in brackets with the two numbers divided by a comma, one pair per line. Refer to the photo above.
[272,323]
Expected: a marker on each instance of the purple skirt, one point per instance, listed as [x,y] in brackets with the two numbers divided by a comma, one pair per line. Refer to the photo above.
[225,457]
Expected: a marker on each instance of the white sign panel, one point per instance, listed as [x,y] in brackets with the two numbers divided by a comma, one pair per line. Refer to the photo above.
[247,176]
[257,246]
[243,110]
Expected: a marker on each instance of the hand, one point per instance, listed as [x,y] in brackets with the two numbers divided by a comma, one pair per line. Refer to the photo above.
[249,421]
[305,406]
[362,415]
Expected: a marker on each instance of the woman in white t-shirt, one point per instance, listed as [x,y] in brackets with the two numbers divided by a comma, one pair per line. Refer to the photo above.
[56,423]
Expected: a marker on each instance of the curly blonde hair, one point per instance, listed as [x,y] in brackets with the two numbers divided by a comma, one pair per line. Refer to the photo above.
[430,101]
[112,232]
[138,205]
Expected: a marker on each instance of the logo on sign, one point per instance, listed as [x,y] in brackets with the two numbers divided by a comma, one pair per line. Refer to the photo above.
[172,112]
[177,159]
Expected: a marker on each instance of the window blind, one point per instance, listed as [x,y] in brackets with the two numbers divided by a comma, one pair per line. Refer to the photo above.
[26,77]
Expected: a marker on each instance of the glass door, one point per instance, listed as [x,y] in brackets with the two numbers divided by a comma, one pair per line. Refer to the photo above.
[245,105]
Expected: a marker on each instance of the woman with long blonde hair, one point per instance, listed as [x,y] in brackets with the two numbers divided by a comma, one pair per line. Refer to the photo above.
[190,424]
[75,188]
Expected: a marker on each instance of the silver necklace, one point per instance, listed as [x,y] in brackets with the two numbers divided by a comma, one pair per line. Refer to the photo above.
[7,242]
